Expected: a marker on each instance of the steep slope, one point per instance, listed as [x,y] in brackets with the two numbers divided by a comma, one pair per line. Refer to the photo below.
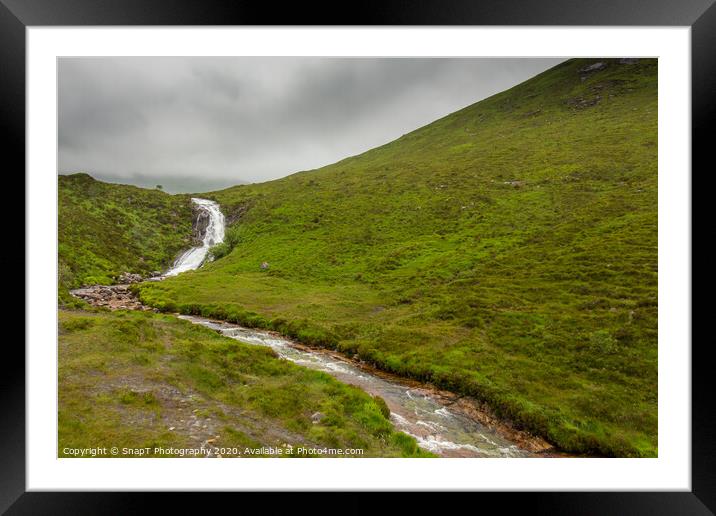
[106,229]
[507,251]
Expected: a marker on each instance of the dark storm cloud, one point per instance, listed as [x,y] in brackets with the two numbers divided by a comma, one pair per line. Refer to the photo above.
[205,123]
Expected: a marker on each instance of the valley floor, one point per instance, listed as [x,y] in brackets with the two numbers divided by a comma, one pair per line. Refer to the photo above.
[591,400]
[153,385]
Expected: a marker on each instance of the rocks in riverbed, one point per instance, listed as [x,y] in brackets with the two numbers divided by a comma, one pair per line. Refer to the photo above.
[128,278]
[114,297]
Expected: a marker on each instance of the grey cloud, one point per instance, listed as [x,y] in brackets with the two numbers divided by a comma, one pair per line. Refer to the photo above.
[195,123]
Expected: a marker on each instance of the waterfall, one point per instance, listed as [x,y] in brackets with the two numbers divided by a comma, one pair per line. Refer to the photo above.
[213,234]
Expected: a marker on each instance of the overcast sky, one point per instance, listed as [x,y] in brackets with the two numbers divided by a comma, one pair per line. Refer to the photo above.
[198,124]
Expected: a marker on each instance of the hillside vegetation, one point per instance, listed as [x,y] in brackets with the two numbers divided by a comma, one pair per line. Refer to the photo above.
[507,251]
[106,229]
[138,380]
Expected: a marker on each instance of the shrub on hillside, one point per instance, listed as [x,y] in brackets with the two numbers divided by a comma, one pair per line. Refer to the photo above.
[231,239]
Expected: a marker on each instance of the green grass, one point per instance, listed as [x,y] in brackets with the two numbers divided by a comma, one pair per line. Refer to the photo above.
[123,376]
[507,251]
[106,229]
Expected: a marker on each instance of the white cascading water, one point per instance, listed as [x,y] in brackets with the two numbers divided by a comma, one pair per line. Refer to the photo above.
[214,234]
[435,421]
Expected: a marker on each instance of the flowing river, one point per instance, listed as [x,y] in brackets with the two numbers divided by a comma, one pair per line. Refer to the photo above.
[416,411]
[432,418]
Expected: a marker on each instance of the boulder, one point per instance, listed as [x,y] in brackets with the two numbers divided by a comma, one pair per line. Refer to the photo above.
[593,67]
[128,277]
[201,222]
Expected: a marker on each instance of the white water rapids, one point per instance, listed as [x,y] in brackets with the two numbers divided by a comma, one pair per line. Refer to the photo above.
[436,425]
[214,234]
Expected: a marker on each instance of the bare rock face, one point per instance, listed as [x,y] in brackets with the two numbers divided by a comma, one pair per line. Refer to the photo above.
[201,222]
[235,213]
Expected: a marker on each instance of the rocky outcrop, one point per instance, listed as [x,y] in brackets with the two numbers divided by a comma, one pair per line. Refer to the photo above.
[584,102]
[201,222]
[587,71]
[114,297]
[129,278]
[593,68]
[235,212]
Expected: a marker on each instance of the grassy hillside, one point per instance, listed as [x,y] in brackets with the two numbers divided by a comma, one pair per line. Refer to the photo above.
[507,251]
[106,229]
[136,380]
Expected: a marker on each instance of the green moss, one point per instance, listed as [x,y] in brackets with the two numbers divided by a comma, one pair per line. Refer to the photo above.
[507,251]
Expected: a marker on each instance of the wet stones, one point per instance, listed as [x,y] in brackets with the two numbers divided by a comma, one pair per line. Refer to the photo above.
[202,218]
[114,297]
[128,278]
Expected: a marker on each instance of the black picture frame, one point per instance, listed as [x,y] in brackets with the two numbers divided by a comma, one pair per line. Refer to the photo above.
[16,15]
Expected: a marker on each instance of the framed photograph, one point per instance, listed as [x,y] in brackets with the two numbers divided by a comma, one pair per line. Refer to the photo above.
[416,250]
